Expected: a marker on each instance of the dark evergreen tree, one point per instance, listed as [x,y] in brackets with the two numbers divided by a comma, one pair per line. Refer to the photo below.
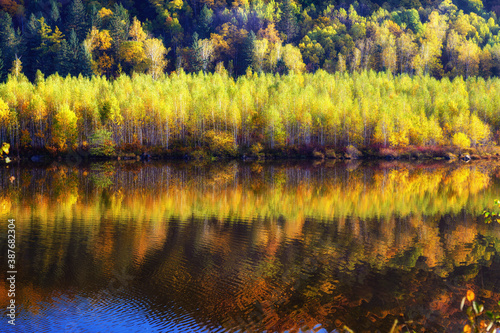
[247,51]
[32,40]
[85,62]
[197,62]
[72,58]
[288,22]
[73,53]
[9,41]
[119,25]
[55,15]
[205,22]
[3,74]
[95,19]
[77,19]
[64,64]
[281,67]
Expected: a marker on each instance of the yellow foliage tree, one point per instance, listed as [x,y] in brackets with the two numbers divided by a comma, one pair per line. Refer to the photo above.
[460,140]
[293,59]
[4,113]
[136,32]
[64,131]
[17,67]
[155,53]
[132,55]
[478,131]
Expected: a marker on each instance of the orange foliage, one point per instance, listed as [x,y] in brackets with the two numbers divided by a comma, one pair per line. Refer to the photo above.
[470,295]
[10,6]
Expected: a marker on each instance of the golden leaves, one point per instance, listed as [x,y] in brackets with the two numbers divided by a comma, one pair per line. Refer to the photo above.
[132,52]
[155,53]
[99,39]
[5,148]
[105,64]
[65,128]
[105,13]
[136,32]
[4,111]
[470,295]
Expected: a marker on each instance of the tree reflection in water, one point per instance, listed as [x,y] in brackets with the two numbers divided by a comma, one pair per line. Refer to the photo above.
[263,246]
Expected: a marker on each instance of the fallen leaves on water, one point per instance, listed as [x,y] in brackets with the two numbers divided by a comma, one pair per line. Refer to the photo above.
[470,295]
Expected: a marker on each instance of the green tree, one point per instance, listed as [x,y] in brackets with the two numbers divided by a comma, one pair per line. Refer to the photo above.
[248,50]
[197,61]
[2,73]
[95,18]
[85,62]
[71,57]
[119,25]
[412,20]
[32,41]
[55,15]
[64,64]
[64,131]
[471,5]
[101,143]
[288,21]
[205,22]
[77,19]
[9,41]
[17,67]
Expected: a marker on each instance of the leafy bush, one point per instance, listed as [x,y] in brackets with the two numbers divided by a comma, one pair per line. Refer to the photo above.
[220,143]
[490,216]
[330,153]
[65,131]
[199,155]
[318,155]
[101,143]
[460,140]
[256,150]
[352,152]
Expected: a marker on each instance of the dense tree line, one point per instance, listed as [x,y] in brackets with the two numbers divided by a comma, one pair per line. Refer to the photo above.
[196,111]
[440,38]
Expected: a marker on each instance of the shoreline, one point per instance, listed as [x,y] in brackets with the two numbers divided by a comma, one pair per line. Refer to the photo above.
[287,153]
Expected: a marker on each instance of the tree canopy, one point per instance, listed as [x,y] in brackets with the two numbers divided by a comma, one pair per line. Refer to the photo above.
[441,38]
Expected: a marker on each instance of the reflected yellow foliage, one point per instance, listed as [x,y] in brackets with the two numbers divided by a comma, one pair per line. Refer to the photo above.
[146,197]
[258,224]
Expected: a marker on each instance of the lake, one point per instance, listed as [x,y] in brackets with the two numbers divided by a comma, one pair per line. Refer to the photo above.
[257,247]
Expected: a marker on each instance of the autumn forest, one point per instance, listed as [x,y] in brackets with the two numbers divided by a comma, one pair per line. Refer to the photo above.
[248,77]
[310,166]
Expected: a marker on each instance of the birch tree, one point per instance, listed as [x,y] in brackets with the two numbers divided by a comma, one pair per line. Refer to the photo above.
[155,53]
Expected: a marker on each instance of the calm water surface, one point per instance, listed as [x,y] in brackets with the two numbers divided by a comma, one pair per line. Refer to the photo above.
[182,247]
